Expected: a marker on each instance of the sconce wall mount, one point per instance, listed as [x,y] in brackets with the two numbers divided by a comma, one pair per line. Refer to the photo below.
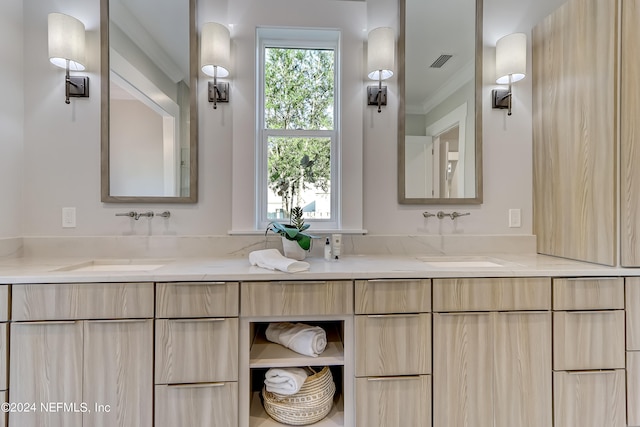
[66,50]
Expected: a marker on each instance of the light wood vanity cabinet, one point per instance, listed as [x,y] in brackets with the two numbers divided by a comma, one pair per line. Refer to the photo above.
[479,353]
[589,352]
[196,354]
[393,353]
[104,361]
[4,349]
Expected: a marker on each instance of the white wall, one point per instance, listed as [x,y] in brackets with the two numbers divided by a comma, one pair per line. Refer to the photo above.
[11,118]
[62,142]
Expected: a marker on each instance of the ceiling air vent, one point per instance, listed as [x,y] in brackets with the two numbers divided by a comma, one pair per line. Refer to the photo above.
[442,59]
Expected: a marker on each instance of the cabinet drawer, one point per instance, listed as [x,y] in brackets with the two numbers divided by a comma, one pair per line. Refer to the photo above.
[196,350]
[588,294]
[632,302]
[296,298]
[197,405]
[4,303]
[633,388]
[66,301]
[393,401]
[197,299]
[4,330]
[589,399]
[492,294]
[393,345]
[588,340]
[392,296]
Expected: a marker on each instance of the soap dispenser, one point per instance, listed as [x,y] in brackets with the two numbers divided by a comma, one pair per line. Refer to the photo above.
[327,250]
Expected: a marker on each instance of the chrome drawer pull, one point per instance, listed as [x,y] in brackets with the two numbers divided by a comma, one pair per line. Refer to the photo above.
[394,280]
[201,385]
[403,378]
[204,319]
[45,322]
[382,316]
[118,321]
[604,371]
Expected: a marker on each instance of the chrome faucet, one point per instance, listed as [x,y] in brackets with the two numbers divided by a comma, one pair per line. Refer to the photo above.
[135,215]
[452,215]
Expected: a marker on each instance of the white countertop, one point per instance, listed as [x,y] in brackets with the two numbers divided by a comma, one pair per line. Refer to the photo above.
[47,270]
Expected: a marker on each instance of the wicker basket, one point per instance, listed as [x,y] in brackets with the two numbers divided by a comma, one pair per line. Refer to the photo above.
[309,405]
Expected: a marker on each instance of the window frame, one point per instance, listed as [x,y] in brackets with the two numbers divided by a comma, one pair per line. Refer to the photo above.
[297,38]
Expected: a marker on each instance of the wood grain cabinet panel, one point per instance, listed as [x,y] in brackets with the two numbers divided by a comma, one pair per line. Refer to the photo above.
[46,366]
[392,296]
[4,340]
[633,388]
[4,303]
[196,350]
[575,131]
[632,302]
[393,344]
[393,401]
[64,301]
[197,299]
[296,298]
[492,294]
[462,370]
[588,293]
[522,355]
[118,360]
[589,399]
[585,340]
[197,405]
[3,416]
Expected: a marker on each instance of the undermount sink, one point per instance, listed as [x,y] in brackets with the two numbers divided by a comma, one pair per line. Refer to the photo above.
[115,265]
[461,262]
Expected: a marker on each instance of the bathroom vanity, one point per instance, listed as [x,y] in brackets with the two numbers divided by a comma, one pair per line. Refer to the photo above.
[540,342]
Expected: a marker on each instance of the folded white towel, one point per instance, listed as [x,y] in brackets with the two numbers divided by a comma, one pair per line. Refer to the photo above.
[285,381]
[301,338]
[272,259]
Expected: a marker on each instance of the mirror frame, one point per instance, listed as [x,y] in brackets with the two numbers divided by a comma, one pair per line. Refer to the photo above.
[402,199]
[106,197]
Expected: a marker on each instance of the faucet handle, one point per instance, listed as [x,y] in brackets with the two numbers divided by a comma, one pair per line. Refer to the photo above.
[427,214]
[131,214]
[455,215]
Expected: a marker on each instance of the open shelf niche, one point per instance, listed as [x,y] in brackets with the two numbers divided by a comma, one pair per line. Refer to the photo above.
[263,354]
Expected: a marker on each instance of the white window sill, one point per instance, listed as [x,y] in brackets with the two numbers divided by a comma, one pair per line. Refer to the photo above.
[310,230]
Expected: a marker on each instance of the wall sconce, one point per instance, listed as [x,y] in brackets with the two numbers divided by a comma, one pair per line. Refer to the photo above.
[66,50]
[511,66]
[215,58]
[381,47]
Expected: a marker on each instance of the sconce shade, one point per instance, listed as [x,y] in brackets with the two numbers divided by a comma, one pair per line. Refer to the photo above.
[215,49]
[66,41]
[511,58]
[381,48]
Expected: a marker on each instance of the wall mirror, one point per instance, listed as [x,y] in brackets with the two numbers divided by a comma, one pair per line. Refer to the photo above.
[440,111]
[149,117]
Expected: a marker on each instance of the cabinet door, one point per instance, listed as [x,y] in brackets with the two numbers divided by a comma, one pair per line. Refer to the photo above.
[196,350]
[588,340]
[589,399]
[46,368]
[522,352]
[632,296]
[393,344]
[197,299]
[633,388]
[601,293]
[462,370]
[393,401]
[118,373]
[197,405]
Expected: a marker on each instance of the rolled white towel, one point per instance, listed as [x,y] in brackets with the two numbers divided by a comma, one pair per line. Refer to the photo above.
[285,381]
[272,259]
[301,338]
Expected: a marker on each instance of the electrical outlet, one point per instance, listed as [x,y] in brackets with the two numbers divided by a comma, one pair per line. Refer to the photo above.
[68,217]
[515,218]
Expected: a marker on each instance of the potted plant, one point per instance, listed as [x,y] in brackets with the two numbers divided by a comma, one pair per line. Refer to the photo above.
[295,242]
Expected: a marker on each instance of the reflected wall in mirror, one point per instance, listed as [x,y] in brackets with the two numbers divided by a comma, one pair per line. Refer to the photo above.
[149,126]
[440,112]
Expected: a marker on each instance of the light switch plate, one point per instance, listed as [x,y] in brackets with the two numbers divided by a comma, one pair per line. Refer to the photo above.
[515,220]
[68,217]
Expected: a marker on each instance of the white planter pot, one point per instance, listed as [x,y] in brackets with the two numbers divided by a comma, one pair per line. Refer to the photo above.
[292,249]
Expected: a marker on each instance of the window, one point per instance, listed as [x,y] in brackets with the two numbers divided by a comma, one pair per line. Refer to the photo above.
[298,132]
